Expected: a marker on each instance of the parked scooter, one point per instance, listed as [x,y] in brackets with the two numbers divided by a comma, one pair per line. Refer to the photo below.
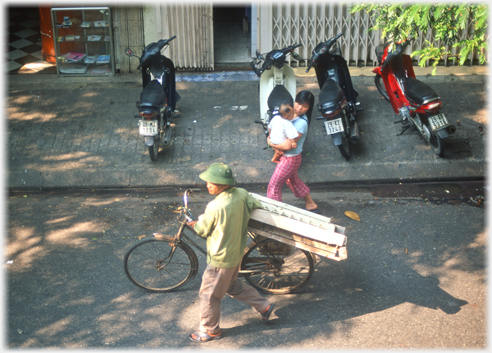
[337,101]
[414,101]
[277,81]
[157,104]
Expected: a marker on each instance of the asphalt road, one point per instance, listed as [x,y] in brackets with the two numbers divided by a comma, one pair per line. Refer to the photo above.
[414,278]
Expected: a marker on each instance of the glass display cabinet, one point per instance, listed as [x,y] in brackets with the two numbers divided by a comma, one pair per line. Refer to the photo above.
[83,38]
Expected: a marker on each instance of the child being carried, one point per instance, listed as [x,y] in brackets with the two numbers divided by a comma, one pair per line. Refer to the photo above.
[281,128]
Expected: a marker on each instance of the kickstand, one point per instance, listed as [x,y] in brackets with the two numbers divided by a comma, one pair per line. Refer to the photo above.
[405,127]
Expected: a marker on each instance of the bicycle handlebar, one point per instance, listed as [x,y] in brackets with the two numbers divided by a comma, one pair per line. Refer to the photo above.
[186,211]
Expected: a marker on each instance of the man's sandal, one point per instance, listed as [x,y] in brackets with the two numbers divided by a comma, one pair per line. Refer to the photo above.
[204,337]
[266,315]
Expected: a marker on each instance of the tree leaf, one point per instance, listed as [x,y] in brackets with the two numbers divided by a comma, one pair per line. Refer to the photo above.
[352,215]
[447,22]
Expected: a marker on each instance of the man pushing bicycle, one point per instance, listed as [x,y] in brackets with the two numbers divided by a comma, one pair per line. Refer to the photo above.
[225,227]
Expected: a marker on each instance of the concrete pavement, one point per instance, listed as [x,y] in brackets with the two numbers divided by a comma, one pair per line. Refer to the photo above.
[80,132]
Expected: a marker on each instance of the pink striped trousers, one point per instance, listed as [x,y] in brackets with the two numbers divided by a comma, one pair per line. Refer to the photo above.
[286,173]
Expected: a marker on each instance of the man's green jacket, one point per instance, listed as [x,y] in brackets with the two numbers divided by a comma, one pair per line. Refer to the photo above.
[225,226]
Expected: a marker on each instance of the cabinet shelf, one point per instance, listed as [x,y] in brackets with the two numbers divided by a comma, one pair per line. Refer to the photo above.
[83,39]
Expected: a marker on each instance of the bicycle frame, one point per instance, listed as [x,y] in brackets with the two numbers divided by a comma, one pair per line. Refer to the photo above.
[182,237]
[188,217]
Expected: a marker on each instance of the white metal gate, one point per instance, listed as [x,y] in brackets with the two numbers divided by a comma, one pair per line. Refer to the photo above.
[309,23]
[192,24]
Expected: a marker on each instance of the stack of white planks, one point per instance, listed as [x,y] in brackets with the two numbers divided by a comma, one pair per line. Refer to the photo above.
[298,227]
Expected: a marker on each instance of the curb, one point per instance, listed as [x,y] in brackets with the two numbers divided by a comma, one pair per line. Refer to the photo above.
[419,71]
[370,173]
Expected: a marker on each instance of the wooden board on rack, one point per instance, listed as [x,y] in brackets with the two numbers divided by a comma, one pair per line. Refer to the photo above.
[333,252]
[300,228]
[325,235]
[297,213]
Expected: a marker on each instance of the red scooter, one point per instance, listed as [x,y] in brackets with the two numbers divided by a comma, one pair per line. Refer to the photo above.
[415,102]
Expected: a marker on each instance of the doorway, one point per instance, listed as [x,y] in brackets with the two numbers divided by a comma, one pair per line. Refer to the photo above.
[232,36]
[24,42]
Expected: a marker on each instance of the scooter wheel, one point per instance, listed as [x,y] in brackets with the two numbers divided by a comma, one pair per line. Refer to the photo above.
[435,141]
[344,147]
[154,150]
[378,80]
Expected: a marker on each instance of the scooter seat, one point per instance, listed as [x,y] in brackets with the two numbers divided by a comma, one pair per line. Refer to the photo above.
[330,97]
[153,95]
[418,92]
[278,96]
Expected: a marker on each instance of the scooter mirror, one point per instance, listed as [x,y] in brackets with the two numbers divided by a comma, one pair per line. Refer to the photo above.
[296,56]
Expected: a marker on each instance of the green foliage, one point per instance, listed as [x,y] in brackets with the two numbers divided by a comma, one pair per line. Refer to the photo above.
[446,21]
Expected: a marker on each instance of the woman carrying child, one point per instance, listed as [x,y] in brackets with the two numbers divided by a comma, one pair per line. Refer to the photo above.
[281,129]
[286,170]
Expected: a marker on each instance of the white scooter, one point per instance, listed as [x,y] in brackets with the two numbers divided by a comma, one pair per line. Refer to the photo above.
[277,81]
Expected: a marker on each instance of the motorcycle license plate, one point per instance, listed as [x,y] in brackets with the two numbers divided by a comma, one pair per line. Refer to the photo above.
[148,128]
[334,126]
[437,122]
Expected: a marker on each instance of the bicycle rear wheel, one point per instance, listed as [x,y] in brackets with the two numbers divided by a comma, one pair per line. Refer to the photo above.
[157,265]
[276,268]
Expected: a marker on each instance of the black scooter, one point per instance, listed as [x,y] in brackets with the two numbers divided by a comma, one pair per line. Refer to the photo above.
[337,101]
[158,99]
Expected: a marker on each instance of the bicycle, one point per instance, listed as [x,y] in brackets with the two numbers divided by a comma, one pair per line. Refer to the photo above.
[165,263]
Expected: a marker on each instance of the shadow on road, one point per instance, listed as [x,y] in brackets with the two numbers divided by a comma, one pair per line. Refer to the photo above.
[67,289]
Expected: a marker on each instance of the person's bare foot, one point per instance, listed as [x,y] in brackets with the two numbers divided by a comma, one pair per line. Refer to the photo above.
[310,204]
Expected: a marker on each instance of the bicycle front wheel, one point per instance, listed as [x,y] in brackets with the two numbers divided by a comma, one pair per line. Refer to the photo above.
[157,265]
[277,268]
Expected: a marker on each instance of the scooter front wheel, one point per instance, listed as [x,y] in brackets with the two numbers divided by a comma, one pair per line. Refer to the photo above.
[378,80]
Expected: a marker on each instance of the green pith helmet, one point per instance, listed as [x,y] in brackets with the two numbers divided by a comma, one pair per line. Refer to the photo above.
[218,173]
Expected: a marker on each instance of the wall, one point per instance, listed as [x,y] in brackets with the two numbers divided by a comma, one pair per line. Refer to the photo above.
[128,31]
